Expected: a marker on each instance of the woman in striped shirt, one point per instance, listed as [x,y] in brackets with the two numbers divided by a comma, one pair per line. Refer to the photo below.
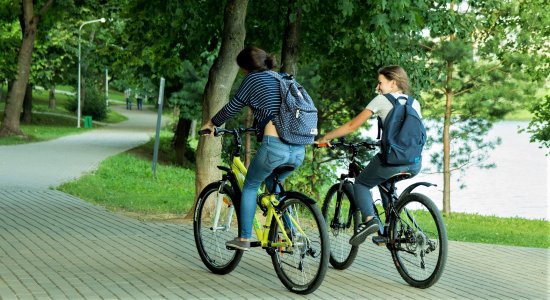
[260,91]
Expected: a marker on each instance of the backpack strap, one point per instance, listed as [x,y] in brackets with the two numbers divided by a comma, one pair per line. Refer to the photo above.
[379,135]
[391,98]
[394,102]
[410,100]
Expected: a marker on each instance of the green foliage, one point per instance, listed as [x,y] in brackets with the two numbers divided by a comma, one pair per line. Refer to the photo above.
[539,126]
[478,70]
[53,57]
[10,41]
[94,105]
[189,98]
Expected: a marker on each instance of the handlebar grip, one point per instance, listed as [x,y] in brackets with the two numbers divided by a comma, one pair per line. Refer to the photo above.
[205,132]
[321,145]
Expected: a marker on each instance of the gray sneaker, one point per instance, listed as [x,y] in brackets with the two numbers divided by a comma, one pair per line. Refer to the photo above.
[237,244]
[363,231]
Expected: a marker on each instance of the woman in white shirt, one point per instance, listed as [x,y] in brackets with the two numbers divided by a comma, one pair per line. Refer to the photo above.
[392,80]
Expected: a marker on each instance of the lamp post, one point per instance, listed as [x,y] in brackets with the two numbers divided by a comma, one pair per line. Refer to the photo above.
[102,20]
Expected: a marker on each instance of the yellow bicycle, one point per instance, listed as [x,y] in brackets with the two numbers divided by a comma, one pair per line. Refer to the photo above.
[294,233]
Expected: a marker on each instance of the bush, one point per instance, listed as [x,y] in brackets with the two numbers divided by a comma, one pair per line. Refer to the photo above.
[94,104]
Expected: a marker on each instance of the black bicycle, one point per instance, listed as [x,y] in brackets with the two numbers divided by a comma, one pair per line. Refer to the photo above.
[413,229]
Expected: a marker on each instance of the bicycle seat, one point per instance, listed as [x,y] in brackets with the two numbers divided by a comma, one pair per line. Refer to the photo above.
[397,177]
[283,168]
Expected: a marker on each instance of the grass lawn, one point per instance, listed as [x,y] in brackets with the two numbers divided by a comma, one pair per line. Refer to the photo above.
[50,123]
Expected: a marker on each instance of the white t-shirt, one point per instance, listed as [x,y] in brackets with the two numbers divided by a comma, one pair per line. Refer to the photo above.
[381,106]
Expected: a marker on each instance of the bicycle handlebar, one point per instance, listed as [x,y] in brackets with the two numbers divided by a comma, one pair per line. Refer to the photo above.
[342,144]
[221,131]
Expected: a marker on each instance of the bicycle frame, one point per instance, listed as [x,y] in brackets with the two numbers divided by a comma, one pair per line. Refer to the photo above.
[236,175]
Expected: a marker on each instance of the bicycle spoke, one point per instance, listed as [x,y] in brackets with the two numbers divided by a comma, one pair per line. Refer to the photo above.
[341,223]
[215,224]
[417,236]
[299,266]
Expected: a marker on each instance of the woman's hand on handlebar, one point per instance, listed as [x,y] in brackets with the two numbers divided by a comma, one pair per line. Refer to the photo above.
[207,129]
[322,143]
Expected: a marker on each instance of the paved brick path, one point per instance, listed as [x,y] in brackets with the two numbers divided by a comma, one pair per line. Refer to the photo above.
[55,246]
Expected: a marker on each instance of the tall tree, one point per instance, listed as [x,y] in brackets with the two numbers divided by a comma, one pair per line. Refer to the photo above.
[291,39]
[29,26]
[478,75]
[216,93]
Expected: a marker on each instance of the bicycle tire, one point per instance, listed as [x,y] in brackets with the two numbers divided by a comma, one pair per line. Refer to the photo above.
[211,243]
[418,240]
[302,268]
[342,221]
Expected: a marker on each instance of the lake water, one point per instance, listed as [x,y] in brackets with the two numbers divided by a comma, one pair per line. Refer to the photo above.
[517,187]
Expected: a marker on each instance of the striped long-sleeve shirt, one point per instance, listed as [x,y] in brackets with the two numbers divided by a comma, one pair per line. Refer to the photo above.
[258,90]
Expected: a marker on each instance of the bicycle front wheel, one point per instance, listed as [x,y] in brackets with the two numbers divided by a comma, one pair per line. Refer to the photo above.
[302,267]
[418,241]
[214,223]
[342,220]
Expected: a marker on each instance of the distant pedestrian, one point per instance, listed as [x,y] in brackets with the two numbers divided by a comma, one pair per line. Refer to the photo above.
[127,94]
[139,101]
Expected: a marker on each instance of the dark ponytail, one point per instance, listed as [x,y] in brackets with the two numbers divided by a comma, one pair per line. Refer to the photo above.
[255,59]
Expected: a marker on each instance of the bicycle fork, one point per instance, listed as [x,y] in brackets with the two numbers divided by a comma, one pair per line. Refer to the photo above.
[220,201]
[336,223]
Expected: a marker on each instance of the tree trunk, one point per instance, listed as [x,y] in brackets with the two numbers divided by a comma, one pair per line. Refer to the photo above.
[51,102]
[289,53]
[447,143]
[216,93]
[2,90]
[12,112]
[29,25]
[27,105]
[180,139]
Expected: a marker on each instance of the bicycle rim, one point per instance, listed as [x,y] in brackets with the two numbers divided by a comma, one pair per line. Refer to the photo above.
[302,267]
[213,225]
[342,221]
[418,241]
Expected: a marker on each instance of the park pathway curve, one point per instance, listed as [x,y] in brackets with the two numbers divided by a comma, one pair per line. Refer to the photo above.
[50,163]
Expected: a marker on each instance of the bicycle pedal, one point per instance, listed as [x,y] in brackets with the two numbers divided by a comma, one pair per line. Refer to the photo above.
[255,244]
[379,240]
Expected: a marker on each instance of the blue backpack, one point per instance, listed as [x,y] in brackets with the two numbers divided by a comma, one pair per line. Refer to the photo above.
[296,122]
[403,133]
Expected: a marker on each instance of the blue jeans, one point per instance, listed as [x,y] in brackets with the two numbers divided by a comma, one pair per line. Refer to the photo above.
[372,175]
[271,154]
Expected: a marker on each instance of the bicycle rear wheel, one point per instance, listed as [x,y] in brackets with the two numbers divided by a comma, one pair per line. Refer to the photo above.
[302,267]
[342,221]
[418,241]
[214,223]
